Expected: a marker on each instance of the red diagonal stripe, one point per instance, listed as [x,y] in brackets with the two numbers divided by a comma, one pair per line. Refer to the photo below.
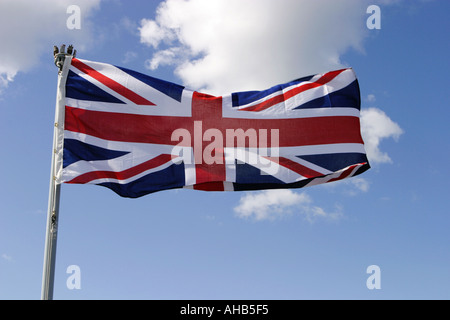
[125,174]
[346,173]
[110,83]
[296,167]
[289,94]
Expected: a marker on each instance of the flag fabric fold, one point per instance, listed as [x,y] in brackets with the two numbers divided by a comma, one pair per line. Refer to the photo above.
[136,134]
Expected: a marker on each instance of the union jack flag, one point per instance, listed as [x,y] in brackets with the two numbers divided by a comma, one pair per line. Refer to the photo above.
[136,134]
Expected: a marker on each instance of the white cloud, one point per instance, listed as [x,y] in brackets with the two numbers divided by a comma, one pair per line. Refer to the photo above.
[275,204]
[360,184]
[269,204]
[7,257]
[129,56]
[30,28]
[371,98]
[376,126]
[228,45]
[163,57]
[152,33]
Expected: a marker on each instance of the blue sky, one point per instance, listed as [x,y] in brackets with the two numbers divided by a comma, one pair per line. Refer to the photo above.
[312,243]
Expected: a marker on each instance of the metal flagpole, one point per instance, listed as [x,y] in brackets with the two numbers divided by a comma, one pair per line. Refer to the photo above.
[62,61]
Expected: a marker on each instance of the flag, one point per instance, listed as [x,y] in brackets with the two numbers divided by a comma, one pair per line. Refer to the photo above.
[136,134]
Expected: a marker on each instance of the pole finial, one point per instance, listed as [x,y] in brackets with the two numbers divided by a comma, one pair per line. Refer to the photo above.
[60,54]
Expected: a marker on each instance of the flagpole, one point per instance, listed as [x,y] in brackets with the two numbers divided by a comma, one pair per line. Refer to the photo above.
[62,61]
